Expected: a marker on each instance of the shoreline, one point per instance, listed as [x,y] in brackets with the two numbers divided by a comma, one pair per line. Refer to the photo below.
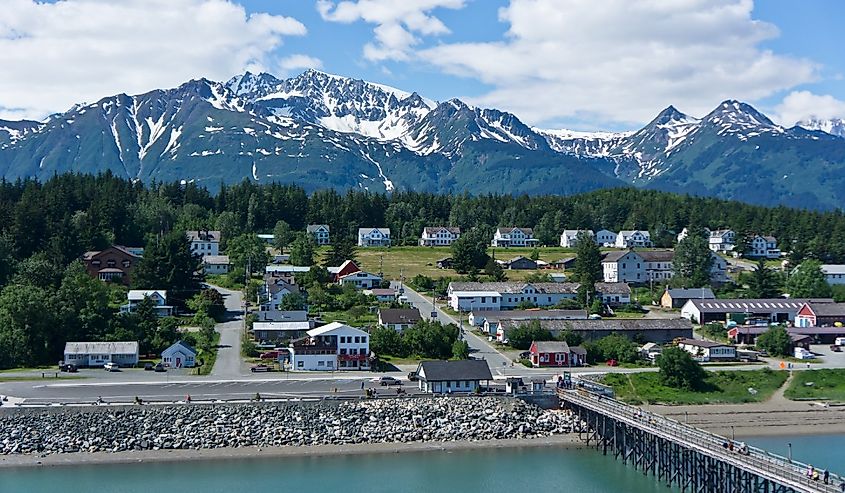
[567,441]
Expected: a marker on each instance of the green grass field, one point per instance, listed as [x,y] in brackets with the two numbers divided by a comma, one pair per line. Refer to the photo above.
[410,261]
[722,387]
[817,384]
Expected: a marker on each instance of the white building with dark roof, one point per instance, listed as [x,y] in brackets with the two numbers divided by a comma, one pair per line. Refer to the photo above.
[320,233]
[481,296]
[439,236]
[514,237]
[763,247]
[633,239]
[374,237]
[204,242]
[569,237]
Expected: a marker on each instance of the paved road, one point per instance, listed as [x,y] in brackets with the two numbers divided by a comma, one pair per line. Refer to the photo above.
[229,362]
[479,346]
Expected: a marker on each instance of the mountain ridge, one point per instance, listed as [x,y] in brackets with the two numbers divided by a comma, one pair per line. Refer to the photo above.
[323,130]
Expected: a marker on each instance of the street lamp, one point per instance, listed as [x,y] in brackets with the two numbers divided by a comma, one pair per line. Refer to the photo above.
[789,446]
[733,435]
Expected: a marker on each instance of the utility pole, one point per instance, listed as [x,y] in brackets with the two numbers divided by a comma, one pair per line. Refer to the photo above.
[381,266]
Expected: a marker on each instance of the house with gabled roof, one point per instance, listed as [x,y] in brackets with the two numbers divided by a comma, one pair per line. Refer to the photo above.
[204,242]
[179,355]
[633,239]
[833,273]
[569,237]
[447,377]
[677,297]
[439,235]
[158,296]
[605,238]
[114,264]
[543,354]
[335,346]
[320,233]
[373,237]
[514,237]
[763,247]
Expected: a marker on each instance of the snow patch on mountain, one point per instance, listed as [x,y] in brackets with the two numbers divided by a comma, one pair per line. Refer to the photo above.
[832,126]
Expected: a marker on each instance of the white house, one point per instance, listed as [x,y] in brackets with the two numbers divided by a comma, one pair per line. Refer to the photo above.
[382,295]
[272,292]
[834,274]
[447,377]
[374,237]
[215,264]
[361,280]
[514,237]
[605,238]
[708,350]
[439,236]
[335,346]
[266,237]
[722,240]
[399,318]
[763,246]
[204,242]
[157,296]
[179,355]
[645,266]
[320,233]
[99,353]
[469,296]
[569,237]
[633,239]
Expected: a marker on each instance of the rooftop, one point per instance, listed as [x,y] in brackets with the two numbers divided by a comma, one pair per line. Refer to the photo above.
[399,315]
[769,305]
[700,293]
[101,347]
[441,371]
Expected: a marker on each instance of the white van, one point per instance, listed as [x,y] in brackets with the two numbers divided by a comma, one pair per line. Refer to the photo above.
[840,341]
[403,299]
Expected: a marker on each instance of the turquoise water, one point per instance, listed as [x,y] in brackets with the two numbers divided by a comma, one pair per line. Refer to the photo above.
[822,451]
[465,471]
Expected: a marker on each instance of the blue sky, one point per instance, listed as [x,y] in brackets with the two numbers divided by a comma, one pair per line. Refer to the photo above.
[580,64]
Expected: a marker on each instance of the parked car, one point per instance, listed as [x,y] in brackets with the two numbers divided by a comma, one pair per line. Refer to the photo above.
[68,367]
[386,380]
[260,368]
[524,355]
[269,355]
[148,366]
[612,362]
[413,377]
[160,368]
[111,366]
[835,348]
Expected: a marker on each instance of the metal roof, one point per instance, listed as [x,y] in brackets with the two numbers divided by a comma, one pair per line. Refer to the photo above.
[101,348]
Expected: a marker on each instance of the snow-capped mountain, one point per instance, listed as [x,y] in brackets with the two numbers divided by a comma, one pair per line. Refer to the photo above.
[321,130]
[337,103]
[833,126]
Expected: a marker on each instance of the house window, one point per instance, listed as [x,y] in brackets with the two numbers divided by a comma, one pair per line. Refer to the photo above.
[321,363]
[300,364]
[363,339]
[484,299]
[357,339]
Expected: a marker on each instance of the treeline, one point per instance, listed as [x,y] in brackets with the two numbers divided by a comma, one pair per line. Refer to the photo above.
[72,213]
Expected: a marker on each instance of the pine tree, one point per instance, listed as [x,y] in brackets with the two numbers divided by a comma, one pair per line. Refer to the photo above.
[341,250]
[693,260]
[302,250]
[762,282]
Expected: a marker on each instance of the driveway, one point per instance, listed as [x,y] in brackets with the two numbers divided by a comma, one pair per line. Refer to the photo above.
[229,362]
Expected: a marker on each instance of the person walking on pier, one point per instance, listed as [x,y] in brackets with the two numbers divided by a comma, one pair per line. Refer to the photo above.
[826,476]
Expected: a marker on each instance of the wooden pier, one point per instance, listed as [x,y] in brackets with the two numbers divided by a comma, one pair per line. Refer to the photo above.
[684,456]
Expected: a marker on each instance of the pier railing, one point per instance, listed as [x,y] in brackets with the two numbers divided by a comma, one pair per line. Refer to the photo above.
[788,473]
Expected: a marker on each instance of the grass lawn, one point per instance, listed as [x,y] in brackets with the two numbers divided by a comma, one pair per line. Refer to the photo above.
[826,384]
[34,368]
[800,361]
[721,387]
[223,281]
[34,378]
[352,317]
[208,358]
[395,360]
[410,261]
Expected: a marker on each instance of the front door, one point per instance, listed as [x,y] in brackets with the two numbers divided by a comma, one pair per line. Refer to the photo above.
[178,362]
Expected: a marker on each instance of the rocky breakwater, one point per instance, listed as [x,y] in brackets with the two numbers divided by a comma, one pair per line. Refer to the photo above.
[205,426]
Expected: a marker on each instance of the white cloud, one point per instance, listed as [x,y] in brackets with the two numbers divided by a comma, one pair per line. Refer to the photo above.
[56,54]
[396,21]
[622,61]
[298,62]
[802,105]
